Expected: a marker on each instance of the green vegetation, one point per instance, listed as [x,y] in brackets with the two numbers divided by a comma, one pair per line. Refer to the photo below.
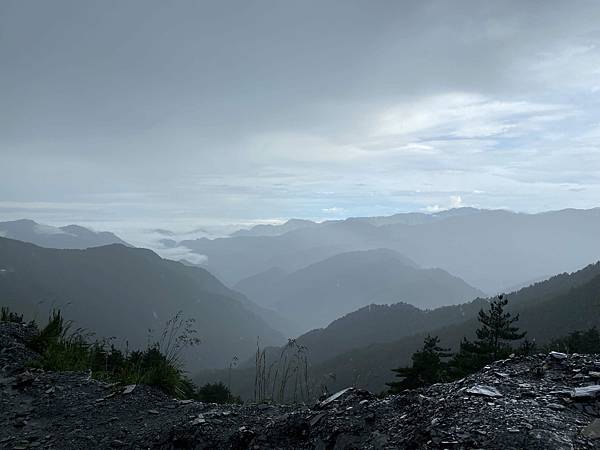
[6,315]
[587,341]
[427,367]
[285,378]
[493,342]
[216,393]
[118,291]
[527,348]
[63,349]
[494,337]
[158,365]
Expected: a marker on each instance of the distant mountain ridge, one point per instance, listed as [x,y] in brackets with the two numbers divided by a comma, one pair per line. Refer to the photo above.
[318,294]
[547,310]
[275,230]
[361,348]
[412,218]
[489,249]
[122,291]
[378,324]
[382,323]
[69,236]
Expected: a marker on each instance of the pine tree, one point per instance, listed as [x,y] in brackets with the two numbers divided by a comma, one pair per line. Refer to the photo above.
[497,330]
[427,367]
[494,338]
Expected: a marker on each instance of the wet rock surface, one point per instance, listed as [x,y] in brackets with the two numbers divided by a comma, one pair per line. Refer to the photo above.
[538,402]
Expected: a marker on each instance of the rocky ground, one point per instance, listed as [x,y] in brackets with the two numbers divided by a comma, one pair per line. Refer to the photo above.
[540,402]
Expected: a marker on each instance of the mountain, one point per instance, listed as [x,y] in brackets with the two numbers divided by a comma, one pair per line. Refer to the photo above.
[381,323]
[275,230]
[412,218]
[377,324]
[70,236]
[547,310]
[258,287]
[318,294]
[122,291]
[489,249]
[236,258]
[362,347]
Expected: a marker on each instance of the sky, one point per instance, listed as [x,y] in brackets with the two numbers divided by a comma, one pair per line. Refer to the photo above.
[140,114]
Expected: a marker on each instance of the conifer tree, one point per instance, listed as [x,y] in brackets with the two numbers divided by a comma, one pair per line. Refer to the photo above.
[427,367]
[494,338]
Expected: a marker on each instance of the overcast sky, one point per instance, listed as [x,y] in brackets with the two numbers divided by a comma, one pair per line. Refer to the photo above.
[190,113]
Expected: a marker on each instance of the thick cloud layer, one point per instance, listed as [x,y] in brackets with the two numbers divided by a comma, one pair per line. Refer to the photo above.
[188,113]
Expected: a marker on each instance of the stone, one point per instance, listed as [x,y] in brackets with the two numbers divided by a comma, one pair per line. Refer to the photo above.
[129,389]
[586,391]
[20,422]
[335,396]
[505,406]
[592,430]
[558,355]
[486,391]
[315,420]
[198,420]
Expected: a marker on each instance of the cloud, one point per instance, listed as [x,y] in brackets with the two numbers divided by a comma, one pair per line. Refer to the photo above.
[454,201]
[434,208]
[462,115]
[334,210]
[179,253]
[231,118]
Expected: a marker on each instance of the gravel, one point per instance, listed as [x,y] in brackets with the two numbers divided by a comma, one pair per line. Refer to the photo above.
[527,402]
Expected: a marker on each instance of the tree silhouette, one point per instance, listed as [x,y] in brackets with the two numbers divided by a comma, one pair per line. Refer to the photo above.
[494,338]
[427,367]
[216,393]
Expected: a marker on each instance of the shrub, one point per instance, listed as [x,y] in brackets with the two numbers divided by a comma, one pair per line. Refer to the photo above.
[428,367]
[158,365]
[54,332]
[216,393]
[587,341]
[6,315]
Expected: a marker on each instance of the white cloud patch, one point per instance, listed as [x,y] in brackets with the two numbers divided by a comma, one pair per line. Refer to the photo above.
[47,229]
[178,253]
[462,115]
[333,210]
[454,201]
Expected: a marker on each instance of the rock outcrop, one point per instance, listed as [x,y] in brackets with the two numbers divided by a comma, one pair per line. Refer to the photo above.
[537,402]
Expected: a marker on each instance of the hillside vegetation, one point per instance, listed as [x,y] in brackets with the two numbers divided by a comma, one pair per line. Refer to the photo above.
[123,292]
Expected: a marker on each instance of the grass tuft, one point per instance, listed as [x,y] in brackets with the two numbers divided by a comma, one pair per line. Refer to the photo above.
[158,365]
[6,315]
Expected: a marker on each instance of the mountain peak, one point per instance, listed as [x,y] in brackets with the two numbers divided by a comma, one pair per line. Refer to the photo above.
[69,236]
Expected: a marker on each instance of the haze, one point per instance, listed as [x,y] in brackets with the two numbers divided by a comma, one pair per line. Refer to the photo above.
[299,224]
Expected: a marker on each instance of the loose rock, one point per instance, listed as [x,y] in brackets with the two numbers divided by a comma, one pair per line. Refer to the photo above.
[525,402]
